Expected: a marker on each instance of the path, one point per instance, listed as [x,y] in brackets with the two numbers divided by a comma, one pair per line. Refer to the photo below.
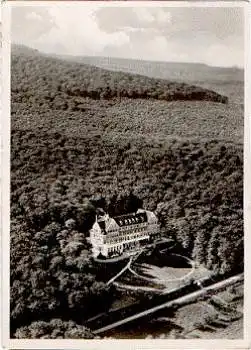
[127,266]
[120,272]
[177,302]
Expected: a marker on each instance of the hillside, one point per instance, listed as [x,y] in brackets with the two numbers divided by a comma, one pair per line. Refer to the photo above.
[72,147]
[66,79]
[78,94]
[226,81]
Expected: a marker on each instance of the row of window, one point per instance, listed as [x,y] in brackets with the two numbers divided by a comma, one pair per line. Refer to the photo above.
[121,236]
[127,232]
[113,249]
[111,240]
[144,224]
[127,246]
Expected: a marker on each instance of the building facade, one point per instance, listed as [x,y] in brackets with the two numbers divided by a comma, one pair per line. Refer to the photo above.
[114,236]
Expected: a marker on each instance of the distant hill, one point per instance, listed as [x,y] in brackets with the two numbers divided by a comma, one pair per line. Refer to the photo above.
[51,93]
[164,70]
[227,81]
[50,77]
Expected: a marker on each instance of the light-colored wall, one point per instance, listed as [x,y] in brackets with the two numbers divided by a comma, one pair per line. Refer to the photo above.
[122,235]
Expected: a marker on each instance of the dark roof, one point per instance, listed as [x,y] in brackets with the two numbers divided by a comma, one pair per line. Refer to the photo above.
[130,219]
[102,225]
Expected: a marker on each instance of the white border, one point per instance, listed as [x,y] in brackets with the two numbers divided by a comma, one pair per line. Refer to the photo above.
[5,170]
[247,177]
[128,3]
[5,212]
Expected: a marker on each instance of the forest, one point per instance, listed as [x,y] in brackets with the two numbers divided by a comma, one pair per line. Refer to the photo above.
[61,80]
[59,178]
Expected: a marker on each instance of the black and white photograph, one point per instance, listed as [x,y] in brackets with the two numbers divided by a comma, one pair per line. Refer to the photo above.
[126,171]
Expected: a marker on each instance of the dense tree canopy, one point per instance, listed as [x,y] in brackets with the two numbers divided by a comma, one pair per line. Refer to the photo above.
[62,80]
[55,329]
[65,164]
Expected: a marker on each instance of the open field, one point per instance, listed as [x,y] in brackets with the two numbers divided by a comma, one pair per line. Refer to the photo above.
[166,277]
[171,278]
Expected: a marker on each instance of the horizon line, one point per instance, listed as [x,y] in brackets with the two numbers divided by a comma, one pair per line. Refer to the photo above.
[236,66]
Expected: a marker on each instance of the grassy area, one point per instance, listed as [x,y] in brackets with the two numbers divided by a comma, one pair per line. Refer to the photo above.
[212,322]
[166,277]
[132,280]
[170,271]
[196,320]
[123,301]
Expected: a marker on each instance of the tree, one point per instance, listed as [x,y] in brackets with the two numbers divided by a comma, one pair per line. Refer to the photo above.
[213,259]
[123,203]
[53,329]
[200,246]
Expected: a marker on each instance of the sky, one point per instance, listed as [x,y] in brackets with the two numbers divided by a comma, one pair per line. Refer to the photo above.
[211,35]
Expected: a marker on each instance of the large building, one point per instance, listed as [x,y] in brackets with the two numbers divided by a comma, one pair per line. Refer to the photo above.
[111,236]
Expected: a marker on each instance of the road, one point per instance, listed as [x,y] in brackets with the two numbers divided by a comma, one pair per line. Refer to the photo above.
[120,272]
[177,302]
[127,266]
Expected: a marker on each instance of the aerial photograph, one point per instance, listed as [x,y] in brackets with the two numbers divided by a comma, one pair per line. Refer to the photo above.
[127,129]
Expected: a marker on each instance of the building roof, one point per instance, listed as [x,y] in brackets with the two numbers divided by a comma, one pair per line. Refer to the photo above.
[107,224]
[131,219]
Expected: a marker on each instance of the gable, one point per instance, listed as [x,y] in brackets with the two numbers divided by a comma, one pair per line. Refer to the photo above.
[96,227]
[111,225]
